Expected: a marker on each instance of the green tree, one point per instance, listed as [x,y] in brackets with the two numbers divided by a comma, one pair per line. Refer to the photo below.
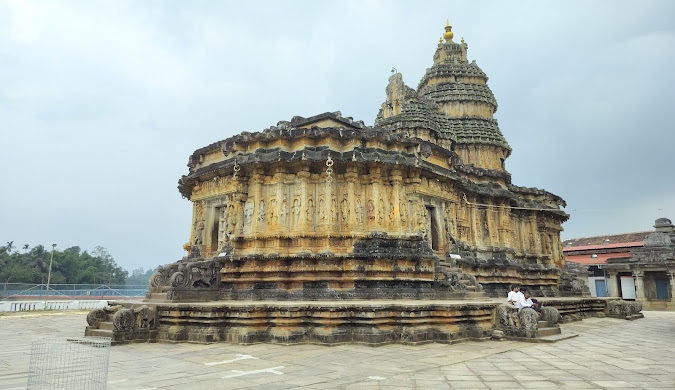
[68,266]
[139,277]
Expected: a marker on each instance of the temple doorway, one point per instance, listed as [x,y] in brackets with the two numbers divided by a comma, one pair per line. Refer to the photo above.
[432,227]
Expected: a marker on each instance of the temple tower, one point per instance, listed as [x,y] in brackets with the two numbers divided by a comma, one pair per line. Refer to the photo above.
[457,90]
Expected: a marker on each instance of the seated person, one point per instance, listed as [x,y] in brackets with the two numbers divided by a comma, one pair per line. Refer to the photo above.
[525,302]
[536,305]
[513,295]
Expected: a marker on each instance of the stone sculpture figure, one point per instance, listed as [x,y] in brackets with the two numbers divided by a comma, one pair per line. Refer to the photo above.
[231,221]
[422,220]
[310,210]
[359,211]
[448,234]
[283,213]
[380,212]
[371,210]
[403,211]
[296,211]
[272,214]
[222,228]
[322,210]
[344,206]
[262,214]
[248,217]
[333,208]
[199,230]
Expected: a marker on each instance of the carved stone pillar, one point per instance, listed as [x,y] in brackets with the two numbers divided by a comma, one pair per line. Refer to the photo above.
[613,284]
[640,286]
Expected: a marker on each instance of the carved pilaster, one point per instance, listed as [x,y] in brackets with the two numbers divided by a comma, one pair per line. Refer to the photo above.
[396,180]
[374,198]
[305,224]
[505,228]
[351,177]
[259,222]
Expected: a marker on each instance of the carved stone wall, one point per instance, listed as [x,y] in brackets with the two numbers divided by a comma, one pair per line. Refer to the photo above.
[432,167]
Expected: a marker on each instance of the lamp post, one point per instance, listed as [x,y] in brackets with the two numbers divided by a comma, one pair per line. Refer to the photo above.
[49,274]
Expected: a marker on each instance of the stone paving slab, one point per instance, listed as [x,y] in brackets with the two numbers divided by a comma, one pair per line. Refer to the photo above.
[609,353]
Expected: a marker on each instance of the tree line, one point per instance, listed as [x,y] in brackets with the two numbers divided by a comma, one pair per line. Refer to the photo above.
[71,265]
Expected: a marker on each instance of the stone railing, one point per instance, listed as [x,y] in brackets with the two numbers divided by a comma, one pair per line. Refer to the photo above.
[51,305]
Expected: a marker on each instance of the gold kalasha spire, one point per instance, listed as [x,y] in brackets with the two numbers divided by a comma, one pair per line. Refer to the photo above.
[448,32]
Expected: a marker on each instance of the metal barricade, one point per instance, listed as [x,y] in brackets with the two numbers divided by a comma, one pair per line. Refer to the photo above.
[74,363]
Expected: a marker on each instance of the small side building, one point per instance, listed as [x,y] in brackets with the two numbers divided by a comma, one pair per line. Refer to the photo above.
[635,266]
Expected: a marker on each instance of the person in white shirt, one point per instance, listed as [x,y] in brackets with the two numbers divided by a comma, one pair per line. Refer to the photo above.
[513,295]
[520,298]
[525,302]
[532,303]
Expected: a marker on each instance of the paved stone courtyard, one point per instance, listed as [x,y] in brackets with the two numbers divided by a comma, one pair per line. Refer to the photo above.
[609,353]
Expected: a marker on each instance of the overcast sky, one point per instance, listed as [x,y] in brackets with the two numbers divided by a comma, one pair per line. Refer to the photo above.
[101,103]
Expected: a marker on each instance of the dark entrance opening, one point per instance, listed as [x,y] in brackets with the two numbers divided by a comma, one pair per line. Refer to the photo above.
[432,225]
[215,228]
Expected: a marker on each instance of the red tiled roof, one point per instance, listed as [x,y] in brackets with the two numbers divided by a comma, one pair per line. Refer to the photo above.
[613,239]
[608,246]
[601,259]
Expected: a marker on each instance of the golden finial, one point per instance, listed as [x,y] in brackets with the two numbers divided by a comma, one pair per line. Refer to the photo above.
[440,40]
[448,32]
[462,39]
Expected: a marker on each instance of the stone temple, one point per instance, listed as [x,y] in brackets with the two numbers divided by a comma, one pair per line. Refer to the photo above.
[324,229]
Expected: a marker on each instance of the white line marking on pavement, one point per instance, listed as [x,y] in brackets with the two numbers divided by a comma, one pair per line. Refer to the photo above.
[377,378]
[273,370]
[239,357]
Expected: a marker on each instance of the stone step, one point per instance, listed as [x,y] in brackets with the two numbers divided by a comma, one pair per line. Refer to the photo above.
[474,294]
[556,337]
[158,296]
[543,332]
[543,324]
[635,316]
[99,332]
[658,305]
[107,325]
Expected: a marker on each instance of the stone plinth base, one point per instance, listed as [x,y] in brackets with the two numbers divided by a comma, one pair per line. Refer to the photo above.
[371,322]
[326,322]
[322,322]
[575,309]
